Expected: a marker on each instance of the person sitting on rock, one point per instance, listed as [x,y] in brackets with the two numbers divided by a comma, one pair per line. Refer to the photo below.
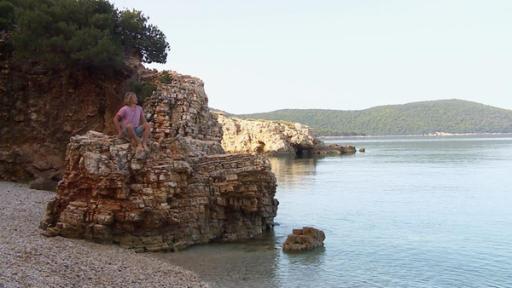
[130,123]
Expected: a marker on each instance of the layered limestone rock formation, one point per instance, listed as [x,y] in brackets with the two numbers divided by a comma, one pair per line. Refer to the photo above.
[263,136]
[185,191]
[273,137]
[40,109]
[304,239]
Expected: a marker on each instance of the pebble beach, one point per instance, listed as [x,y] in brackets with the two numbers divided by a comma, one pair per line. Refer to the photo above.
[28,259]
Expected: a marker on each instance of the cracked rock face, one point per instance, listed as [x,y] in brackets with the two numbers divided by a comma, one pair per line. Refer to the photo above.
[184,191]
[40,109]
[264,136]
[273,138]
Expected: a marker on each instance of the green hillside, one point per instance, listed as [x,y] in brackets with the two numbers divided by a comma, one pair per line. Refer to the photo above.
[452,116]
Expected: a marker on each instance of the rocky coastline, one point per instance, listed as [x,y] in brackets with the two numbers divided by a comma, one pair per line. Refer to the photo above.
[31,260]
[274,138]
[185,191]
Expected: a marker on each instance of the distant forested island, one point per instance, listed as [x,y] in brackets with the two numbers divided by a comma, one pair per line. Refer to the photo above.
[418,118]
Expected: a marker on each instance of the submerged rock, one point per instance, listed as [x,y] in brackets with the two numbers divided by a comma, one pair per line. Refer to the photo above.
[183,192]
[304,239]
[333,149]
[273,138]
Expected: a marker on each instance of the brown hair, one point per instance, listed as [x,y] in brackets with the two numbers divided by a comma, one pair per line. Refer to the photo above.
[128,96]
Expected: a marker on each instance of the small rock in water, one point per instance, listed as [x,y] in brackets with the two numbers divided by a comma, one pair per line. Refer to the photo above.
[362,150]
[304,239]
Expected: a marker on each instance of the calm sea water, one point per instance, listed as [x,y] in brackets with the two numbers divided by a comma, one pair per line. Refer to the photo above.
[410,212]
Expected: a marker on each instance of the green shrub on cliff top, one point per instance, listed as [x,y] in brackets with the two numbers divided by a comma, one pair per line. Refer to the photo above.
[143,37]
[142,89]
[83,33]
[165,77]
[6,15]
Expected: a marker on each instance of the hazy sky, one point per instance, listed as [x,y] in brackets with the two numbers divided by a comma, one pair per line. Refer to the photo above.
[264,55]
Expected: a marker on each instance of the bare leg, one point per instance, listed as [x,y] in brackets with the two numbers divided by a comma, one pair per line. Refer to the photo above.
[133,137]
[145,136]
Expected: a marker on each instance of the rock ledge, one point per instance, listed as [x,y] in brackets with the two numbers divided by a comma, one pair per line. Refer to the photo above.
[273,138]
[185,191]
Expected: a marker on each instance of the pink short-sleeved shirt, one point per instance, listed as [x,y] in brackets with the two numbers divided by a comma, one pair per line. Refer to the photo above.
[130,115]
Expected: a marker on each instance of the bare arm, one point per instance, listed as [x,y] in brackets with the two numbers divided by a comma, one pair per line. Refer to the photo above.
[142,118]
[117,123]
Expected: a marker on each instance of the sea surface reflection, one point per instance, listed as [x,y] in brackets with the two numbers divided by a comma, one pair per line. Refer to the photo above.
[410,212]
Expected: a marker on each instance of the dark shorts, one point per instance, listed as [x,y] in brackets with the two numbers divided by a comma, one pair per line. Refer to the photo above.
[139,131]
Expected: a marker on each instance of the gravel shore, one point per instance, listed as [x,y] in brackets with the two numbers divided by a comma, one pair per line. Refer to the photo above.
[28,259]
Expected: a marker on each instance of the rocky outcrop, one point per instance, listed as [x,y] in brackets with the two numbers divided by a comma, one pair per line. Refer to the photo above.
[263,136]
[41,108]
[183,192]
[273,137]
[304,239]
[333,149]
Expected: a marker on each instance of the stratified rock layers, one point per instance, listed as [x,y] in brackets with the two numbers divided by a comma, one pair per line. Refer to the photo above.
[40,109]
[265,136]
[184,192]
[273,138]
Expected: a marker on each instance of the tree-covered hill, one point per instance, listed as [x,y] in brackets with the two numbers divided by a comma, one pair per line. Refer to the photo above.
[451,116]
